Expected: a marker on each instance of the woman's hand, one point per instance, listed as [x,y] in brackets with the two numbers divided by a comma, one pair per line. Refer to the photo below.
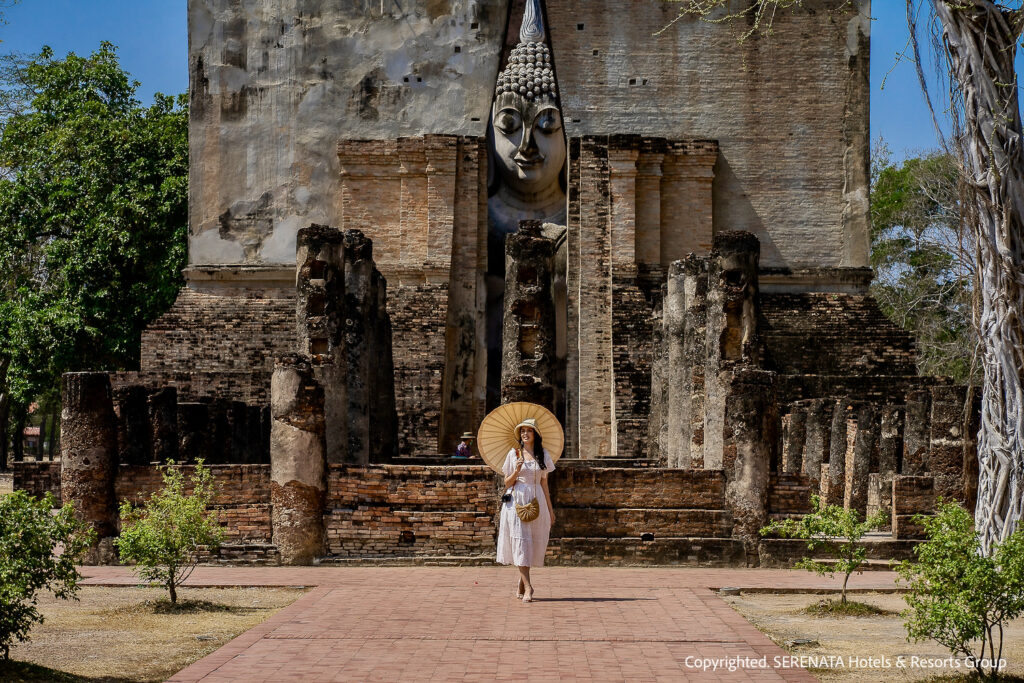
[511,479]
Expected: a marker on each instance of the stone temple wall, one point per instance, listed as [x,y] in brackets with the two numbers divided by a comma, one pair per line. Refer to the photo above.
[275,86]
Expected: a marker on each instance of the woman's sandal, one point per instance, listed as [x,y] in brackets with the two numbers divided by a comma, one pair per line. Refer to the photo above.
[528,597]
[520,590]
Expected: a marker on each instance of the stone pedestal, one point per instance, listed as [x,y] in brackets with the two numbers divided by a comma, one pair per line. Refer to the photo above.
[88,448]
[836,490]
[298,465]
[864,447]
[817,439]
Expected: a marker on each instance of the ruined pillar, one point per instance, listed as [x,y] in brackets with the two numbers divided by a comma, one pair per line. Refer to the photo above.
[133,430]
[915,433]
[677,418]
[836,488]
[695,351]
[193,432]
[88,449]
[817,439]
[890,439]
[528,324]
[796,435]
[369,365]
[657,423]
[751,427]
[163,423]
[320,285]
[946,431]
[731,332]
[298,463]
[864,447]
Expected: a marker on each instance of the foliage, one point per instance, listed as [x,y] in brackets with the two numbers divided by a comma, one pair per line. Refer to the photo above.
[38,551]
[834,529]
[923,272]
[164,535]
[960,596]
[93,216]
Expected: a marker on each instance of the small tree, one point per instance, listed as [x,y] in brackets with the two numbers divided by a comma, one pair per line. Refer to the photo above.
[38,551]
[834,529]
[959,596]
[164,535]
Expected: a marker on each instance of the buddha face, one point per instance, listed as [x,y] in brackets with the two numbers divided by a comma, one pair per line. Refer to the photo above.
[529,147]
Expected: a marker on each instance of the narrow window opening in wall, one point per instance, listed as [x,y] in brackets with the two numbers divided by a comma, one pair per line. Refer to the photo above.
[419,80]
[317,347]
[575,120]
[406,79]
[644,82]
[647,536]
[528,274]
[579,27]
[407,537]
[731,340]
[474,25]
[474,118]
[526,310]
[632,81]
[733,278]
[597,52]
[458,48]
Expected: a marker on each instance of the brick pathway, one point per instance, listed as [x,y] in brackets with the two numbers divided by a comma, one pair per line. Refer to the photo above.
[415,623]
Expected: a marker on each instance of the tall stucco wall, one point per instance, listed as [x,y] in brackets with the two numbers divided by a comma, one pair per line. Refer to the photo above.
[275,85]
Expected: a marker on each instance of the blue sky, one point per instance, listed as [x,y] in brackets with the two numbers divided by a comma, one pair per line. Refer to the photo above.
[153,44]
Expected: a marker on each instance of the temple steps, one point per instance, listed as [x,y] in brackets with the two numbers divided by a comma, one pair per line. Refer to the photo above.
[634,522]
[635,551]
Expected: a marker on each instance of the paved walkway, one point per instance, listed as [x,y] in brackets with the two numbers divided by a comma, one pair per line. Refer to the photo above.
[424,623]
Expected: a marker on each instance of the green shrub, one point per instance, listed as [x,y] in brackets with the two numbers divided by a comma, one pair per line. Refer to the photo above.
[38,551]
[958,596]
[835,530]
[163,537]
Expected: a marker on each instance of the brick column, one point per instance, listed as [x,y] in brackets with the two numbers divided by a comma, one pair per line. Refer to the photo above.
[915,434]
[88,449]
[677,415]
[816,442]
[163,423]
[298,464]
[796,435]
[890,440]
[133,430]
[864,445]
[595,391]
[622,180]
[837,453]
[695,354]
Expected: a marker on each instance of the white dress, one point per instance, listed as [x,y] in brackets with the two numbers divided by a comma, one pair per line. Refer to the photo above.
[519,543]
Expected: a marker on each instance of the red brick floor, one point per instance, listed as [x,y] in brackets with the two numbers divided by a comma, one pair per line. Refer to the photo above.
[444,624]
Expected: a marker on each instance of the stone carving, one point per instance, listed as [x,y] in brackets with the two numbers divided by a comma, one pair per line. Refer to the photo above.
[528,152]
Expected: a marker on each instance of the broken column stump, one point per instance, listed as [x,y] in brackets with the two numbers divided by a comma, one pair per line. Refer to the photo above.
[298,465]
[88,448]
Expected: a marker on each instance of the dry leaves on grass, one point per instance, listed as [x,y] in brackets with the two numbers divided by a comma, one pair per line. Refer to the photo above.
[135,634]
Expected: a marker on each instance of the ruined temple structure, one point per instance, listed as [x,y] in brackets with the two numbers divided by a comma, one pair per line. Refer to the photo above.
[660,234]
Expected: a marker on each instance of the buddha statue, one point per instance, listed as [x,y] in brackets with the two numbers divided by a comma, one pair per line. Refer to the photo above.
[527,155]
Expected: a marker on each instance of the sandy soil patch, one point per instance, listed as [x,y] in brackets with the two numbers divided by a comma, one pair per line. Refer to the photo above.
[861,638]
[132,634]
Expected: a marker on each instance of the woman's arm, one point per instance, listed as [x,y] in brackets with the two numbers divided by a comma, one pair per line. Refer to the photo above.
[547,495]
[511,478]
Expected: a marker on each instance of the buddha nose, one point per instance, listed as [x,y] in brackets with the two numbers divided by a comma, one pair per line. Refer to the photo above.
[528,145]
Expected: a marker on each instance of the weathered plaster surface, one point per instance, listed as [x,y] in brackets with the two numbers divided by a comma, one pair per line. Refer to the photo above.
[275,86]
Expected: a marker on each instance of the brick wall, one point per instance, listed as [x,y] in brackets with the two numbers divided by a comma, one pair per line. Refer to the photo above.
[633,351]
[408,510]
[37,478]
[833,334]
[418,319]
[789,494]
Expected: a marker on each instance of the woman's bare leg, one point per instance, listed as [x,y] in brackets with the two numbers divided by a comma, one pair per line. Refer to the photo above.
[524,573]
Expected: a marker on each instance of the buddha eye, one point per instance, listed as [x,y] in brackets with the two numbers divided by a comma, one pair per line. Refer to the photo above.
[508,121]
[547,122]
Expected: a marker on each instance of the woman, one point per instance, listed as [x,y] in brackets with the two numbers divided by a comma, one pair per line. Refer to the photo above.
[526,472]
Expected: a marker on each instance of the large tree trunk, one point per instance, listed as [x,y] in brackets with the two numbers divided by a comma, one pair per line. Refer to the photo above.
[981,40]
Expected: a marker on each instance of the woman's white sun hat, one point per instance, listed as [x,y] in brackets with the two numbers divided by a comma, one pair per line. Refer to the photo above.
[499,431]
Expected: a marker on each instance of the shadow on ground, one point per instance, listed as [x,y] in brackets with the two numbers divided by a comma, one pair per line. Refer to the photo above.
[12,671]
